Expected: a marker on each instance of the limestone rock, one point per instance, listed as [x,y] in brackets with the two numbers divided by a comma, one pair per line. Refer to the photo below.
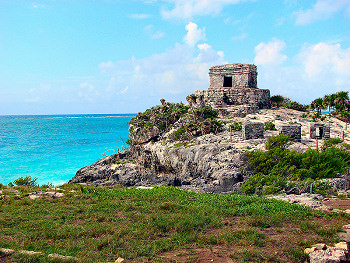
[320,246]
[343,245]
[140,136]
[323,256]
[6,251]
[309,250]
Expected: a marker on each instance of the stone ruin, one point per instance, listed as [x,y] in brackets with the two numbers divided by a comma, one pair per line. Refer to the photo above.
[293,130]
[253,130]
[233,91]
[320,131]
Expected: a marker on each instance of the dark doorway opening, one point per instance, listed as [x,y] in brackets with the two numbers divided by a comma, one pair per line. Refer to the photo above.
[227,81]
[319,132]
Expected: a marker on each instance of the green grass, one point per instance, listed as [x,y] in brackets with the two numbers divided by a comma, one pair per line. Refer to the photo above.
[101,224]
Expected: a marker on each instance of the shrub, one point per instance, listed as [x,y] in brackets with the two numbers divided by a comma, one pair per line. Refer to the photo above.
[26,181]
[277,100]
[269,125]
[295,105]
[331,142]
[178,135]
[322,188]
[278,166]
[128,142]
[280,142]
[236,126]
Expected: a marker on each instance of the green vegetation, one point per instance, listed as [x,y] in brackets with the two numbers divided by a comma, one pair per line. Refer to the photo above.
[194,121]
[269,126]
[281,101]
[102,224]
[26,181]
[294,123]
[277,100]
[338,104]
[236,126]
[278,168]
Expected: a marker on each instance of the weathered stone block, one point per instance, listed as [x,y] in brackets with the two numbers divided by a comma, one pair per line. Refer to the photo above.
[320,131]
[253,130]
[293,130]
[231,86]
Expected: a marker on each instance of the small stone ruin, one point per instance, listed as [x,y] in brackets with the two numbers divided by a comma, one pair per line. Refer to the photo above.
[253,130]
[320,131]
[293,130]
[233,91]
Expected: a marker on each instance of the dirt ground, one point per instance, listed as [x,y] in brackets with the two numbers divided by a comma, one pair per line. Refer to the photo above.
[338,204]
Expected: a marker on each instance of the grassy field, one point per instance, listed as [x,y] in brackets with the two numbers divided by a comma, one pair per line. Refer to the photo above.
[162,224]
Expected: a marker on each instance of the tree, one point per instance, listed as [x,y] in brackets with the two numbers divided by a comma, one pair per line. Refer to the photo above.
[346,116]
[317,104]
[329,100]
[342,98]
[191,99]
[277,100]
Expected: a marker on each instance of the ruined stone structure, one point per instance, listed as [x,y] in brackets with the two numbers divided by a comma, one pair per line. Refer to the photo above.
[233,91]
[253,130]
[320,131]
[293,130]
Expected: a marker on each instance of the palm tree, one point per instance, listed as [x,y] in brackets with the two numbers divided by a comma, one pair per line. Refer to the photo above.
[318,104]
[329,100]
[346,116]
[342,98]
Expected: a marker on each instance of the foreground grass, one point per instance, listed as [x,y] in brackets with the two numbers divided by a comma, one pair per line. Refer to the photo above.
[160,225]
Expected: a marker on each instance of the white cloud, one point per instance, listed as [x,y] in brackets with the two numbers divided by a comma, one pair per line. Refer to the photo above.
[324,58]
[194,34]
[38,6]
[88,92]
[240,37]
[270,53]
[321,10]
[172,74]
[191,8]
[314,71]
[152,33]
[204,46]
[106,66]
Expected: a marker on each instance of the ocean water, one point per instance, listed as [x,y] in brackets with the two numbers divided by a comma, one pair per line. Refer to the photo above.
[52,148]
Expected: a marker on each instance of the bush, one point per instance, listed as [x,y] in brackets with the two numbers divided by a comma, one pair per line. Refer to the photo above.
[331,142]
[236,126]
[278,166]
[128,142]
[26,181]
[277,100]
[295,106]
[178,135]
[277,142]
[269,125]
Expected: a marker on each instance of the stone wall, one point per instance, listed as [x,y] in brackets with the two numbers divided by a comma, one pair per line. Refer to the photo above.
[253,130]
[320,131]
[233,91]
[243,75]
[293,130]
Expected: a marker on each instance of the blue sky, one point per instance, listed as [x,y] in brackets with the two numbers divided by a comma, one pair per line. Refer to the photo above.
[122,56]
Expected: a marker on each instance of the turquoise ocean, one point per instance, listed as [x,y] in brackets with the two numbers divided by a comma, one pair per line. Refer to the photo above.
[53,147]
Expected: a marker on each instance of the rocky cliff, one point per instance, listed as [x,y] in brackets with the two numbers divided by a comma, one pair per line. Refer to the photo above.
[203,161]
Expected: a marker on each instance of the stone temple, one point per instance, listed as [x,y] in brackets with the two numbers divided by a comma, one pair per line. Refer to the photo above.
[233,91]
